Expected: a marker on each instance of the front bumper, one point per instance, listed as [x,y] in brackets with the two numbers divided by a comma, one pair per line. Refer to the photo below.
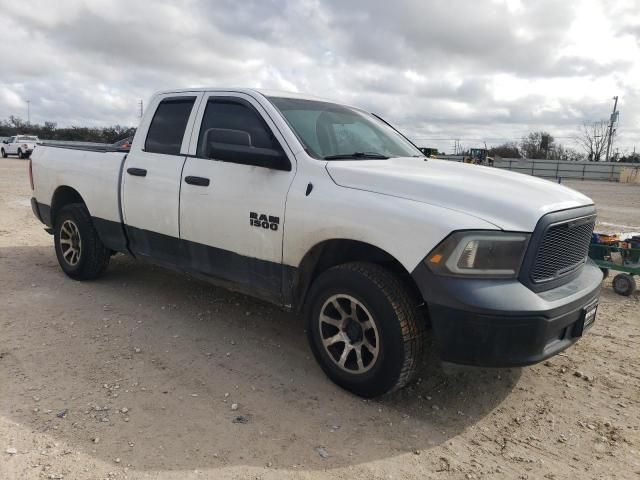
[502,323]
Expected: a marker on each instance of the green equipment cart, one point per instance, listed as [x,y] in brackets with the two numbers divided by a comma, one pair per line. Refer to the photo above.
[620,259]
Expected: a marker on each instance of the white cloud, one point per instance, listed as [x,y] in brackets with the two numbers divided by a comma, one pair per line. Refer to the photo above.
[456,69]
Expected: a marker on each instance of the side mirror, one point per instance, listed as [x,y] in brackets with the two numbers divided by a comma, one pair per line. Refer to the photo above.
[229,136]
[5,141]
[248,155]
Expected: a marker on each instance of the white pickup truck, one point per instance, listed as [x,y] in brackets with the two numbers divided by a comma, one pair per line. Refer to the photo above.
[325,209]
[20,145]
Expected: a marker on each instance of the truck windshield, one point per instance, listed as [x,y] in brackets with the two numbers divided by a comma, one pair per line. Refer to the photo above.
[337,132]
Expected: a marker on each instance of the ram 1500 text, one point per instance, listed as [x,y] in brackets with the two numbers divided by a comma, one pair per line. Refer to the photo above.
[325,209]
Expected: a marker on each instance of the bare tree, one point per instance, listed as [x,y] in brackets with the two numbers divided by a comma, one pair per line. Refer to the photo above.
[537,145]
[593,138]
[17,122]
[560,152]
[506,150]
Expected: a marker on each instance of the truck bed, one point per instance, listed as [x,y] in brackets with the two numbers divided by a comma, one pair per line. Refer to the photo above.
[92,172]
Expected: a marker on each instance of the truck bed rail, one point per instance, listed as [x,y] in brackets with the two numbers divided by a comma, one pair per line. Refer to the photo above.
[88,148]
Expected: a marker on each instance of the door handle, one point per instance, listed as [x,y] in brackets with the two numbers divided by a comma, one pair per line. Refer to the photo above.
[137,172]
[199,181]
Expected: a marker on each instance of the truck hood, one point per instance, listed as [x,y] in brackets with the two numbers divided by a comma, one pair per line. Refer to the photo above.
[511,201]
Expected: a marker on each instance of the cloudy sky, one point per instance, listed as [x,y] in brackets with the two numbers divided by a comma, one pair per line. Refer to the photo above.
[469,69]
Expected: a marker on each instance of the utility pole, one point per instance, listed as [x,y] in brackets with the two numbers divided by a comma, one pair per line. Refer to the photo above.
[611,131]
[28,112]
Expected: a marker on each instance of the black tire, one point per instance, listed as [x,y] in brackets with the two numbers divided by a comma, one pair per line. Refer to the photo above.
[20,154]
[4,154]
[605,273]
[93,257]
[624,284]
[399,328]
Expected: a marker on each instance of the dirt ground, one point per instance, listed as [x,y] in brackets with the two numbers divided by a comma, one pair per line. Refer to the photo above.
[618,205]
[141,375]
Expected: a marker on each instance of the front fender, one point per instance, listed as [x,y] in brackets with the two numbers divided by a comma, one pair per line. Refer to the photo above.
[406,229]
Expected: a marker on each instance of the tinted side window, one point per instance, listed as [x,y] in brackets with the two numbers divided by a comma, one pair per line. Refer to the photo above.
[168,125]
[233,123]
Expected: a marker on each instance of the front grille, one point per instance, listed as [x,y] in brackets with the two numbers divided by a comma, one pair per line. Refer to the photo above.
[563,249]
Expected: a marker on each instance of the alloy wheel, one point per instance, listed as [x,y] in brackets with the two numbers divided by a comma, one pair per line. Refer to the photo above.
[349,334]
[70,242]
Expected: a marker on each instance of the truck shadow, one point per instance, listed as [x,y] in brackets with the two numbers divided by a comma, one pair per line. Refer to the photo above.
[170,373]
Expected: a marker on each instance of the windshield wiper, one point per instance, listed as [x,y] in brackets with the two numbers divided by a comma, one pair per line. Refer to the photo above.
[365,155]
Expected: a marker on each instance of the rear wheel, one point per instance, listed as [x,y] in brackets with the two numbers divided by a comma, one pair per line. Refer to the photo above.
[365,329]
[624,284]
[81,254]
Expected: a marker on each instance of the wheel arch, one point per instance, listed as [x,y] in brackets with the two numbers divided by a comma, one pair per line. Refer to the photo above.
[64,195]
[330,253]
[111,233]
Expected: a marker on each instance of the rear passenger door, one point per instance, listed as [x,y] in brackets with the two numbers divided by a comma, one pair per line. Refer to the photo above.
[232,220]
[151,177]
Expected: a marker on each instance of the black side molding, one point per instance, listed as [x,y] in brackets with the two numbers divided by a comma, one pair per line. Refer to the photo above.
[199,181]
[42,212]
[137,172]
[248,275]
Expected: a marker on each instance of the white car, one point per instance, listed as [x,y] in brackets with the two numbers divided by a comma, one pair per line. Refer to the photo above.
[20,145]
[327,210]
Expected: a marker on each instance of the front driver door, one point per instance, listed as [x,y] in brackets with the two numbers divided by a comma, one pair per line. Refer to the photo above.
[11,147]
[232,228]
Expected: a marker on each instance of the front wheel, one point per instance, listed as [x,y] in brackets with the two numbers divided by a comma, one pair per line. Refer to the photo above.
[365,329]
[20,154]
[81,254]
[4,154]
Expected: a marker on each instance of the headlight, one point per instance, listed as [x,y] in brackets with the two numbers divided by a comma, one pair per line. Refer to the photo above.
[479,254]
